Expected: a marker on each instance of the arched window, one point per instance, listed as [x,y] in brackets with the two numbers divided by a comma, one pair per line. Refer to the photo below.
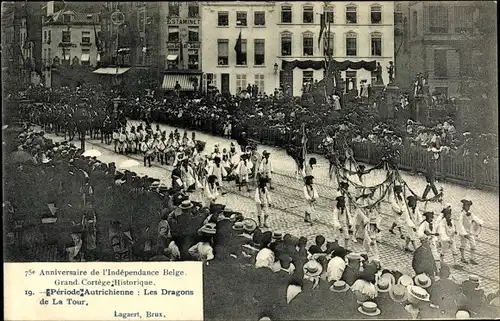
[351,44]
[329,13]
[286,43]
[307,43]
[329,44]
[376,44]
[286,13]
[376,14]
[308,13]
[351,13]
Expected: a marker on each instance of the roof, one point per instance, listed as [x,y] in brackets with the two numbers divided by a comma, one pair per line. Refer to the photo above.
[77,18]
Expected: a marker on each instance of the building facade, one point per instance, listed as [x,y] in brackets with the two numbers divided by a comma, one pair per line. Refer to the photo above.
[435,41]
[68,39]
[359,31]
[12,60]
[180,50]
[222,24]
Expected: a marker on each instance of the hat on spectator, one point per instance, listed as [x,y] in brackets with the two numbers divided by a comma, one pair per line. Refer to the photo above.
[186,204]
[354,257]
[277,236]
[312,268]
[339,286]
[417,293]
[405,280]
[208,228]
[462,314]
[422,280]
[369,308]
[249,225]
[389,277]
[398,293]
[238,226]
[383,284]
[265,152]
[308,177]
[474,278]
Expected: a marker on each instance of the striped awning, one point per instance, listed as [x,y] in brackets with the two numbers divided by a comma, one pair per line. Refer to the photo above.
[111,71]
[185,82]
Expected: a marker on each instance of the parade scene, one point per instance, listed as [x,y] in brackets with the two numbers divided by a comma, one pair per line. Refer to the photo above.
[364,190]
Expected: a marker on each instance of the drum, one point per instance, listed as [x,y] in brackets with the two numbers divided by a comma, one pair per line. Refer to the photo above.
[475,229]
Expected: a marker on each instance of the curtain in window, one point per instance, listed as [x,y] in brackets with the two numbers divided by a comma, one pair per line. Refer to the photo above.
[223,48]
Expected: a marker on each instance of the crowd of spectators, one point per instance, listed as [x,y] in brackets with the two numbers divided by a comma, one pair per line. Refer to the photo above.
[56,198]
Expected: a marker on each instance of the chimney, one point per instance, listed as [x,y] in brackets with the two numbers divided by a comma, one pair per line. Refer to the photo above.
[50,8]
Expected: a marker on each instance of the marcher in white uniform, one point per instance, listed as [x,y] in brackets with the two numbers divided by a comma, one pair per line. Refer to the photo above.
[242,170]
[447,233]
[311,196]
[262,202]
[397,206]
[371,239]
[341,221]
[426,229]
[412,218]
[266,168]
[468,226]
[218,170]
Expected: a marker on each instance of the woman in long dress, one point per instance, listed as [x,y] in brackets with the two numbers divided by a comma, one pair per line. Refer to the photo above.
[311,196]
[242,171]
[262,202]
[210,191]
[188,175]
[218,170]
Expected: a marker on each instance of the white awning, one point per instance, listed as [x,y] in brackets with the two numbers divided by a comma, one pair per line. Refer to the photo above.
[172,57]
[85,57]
[110,71]
[169,81]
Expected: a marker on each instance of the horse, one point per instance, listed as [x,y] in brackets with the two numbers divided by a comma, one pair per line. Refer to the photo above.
[298,156]
[96,120]
[69,126]
[107,130]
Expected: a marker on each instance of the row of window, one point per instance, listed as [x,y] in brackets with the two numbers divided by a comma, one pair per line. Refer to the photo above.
[174,10]
[439,21]
[66,55]
[241,59]
[174,33]
[351,41]
[259,19]
[174,62]
[241,82]
[286,48]
[66,36]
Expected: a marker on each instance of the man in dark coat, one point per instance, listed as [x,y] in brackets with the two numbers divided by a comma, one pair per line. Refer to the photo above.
[423,260]
[443,293]
[243,142]
[352,269]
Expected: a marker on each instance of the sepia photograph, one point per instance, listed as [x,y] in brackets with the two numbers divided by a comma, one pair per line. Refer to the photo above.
[318,160]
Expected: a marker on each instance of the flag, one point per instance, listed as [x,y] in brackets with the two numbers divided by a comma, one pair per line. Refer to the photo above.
[238,48]
[181,53]
[304,141]
[322,27]
[97,42]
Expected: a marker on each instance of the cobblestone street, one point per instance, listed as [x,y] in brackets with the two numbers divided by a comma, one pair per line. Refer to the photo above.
[288,206]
